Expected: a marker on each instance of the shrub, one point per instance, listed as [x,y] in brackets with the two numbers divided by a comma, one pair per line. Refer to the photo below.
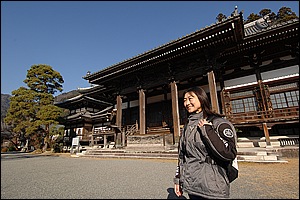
[58,147]
[12,148]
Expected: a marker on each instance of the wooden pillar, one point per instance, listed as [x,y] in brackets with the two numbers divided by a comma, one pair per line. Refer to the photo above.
[119,112]
[104,141]
[164,107]
[119,121]
[92,137]
[263,101]
[221,79]
[263,97]
[213,91]
[142,111]
[123,138]
[175,112]
[266,132]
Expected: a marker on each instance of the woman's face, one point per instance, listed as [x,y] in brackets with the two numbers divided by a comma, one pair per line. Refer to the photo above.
[191,102]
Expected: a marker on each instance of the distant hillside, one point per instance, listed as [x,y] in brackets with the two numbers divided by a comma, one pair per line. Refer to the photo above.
[67,95]
[5,100]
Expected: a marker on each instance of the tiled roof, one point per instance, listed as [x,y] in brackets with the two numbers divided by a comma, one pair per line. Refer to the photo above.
[87,114]
[255,26]
[261,25]
[82,97]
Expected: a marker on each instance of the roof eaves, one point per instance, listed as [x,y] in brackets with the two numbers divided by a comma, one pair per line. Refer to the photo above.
[161,47]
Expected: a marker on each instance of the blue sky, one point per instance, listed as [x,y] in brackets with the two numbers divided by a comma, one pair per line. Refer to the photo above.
[74,37]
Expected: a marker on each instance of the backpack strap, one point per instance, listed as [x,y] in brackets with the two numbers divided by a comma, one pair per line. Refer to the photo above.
[220,151]
[216,123]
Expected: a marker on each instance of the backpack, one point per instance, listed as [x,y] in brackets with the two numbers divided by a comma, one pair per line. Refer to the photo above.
[232,169]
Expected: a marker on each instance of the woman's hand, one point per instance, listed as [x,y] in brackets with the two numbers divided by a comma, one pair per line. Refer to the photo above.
[202,122]
[178,190]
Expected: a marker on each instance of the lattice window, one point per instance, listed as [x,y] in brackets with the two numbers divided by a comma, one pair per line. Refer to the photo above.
[292,98]
[243,105]
[285,99]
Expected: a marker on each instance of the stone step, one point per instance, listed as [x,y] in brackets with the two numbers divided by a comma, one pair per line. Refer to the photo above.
[246,156]
[257,158]
[151,156]
[145,154]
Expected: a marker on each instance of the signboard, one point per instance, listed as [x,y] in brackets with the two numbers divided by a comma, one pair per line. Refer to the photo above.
[75,145]
[75,141]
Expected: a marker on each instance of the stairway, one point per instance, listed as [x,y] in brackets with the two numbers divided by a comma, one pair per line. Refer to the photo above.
[153,153]
[258,155]
[255,154]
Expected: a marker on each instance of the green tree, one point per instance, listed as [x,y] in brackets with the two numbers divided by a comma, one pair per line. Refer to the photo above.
[252,17]
[285,14]
[32,111]
[43,79]
[48,115]
[272,17]
[264,12]
[20,114]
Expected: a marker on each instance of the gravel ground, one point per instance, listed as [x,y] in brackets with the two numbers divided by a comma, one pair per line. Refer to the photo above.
[62,177]
[267,180]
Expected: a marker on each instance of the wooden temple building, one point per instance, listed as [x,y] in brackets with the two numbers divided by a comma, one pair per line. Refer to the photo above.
[250,71]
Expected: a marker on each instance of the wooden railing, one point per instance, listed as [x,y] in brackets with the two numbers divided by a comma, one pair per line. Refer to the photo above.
[131,129]
[158,130]
[294,141]
[278,141]
[283,114]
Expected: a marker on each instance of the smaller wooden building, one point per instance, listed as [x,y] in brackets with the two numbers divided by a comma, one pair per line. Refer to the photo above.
[89,120]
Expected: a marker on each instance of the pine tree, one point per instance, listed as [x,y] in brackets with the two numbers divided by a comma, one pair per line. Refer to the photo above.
[31,111]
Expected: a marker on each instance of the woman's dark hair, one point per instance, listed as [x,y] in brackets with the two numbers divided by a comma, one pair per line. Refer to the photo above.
[204,101]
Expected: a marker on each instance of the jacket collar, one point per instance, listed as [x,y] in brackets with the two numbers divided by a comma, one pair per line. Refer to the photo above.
[195,116]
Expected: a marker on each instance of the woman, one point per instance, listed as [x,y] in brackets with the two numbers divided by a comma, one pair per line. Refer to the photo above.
[201,173]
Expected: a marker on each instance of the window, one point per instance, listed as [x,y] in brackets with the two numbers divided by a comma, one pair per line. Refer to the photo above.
[244,105]
[285,99]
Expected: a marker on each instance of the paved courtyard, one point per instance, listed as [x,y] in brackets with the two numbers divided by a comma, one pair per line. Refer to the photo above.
[30,176]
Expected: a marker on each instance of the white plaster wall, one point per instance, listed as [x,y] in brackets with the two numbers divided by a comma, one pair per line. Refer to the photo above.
[239,81]
[265,75]
[280,72]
